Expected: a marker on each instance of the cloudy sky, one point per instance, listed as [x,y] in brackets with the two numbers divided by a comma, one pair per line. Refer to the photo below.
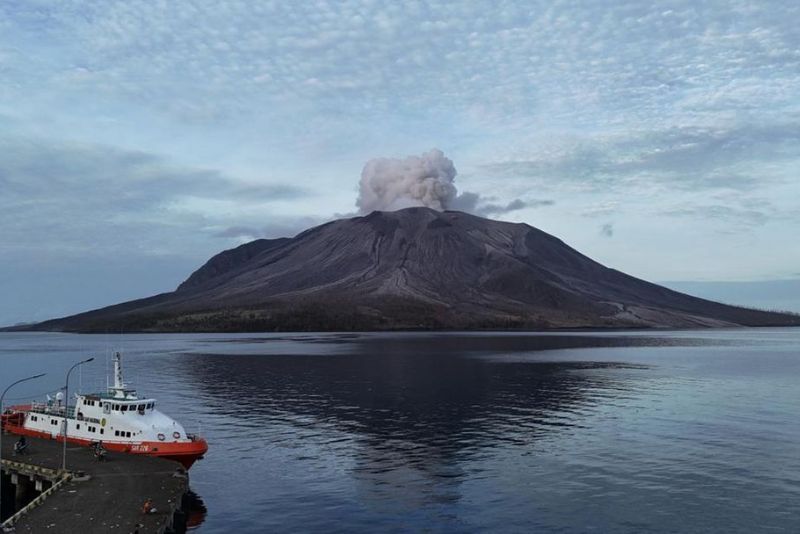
[137,138]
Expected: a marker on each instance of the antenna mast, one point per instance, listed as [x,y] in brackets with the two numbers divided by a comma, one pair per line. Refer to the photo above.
[119,388]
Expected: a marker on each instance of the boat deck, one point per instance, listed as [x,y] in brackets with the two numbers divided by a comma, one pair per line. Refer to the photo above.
[109,500]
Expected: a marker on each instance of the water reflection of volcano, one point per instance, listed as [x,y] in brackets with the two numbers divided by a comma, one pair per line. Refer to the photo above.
[411,405]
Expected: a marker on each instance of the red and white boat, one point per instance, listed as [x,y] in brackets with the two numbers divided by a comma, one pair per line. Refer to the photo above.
[118,418]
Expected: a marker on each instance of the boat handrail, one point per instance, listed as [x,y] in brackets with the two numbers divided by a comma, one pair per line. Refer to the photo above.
[53,409]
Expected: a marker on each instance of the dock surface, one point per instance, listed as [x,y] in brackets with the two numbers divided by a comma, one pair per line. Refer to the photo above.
[109,495]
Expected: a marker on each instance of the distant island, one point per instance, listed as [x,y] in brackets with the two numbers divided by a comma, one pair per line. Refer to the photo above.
[415,268]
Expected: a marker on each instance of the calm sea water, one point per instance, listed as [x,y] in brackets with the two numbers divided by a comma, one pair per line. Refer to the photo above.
[615,432]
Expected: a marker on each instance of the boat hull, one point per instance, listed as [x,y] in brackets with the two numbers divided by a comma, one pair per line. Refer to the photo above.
[184,452]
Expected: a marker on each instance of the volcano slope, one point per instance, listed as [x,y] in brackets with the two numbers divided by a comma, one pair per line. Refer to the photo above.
[415,268]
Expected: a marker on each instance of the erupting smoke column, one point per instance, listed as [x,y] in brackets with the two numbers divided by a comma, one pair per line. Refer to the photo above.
[389,184]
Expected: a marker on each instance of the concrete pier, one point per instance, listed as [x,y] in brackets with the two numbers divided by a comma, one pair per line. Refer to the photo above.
[93,497]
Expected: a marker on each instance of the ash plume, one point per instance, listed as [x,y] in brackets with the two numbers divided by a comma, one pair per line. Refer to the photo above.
[428,180]
[389,184]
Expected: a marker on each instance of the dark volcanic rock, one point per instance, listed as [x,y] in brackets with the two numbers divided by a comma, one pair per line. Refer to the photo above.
[225,264]
[413,268]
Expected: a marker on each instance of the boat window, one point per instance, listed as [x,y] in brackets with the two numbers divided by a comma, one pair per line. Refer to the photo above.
[142,407]
[124,407]
[78,426]
[102,430]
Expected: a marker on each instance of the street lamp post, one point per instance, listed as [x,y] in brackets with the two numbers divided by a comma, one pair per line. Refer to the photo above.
[66,413]
[1,430]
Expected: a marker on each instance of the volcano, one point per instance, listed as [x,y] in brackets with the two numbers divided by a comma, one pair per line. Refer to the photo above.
[415,268]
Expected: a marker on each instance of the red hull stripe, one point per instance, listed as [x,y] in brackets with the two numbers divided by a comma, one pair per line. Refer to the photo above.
[184,452]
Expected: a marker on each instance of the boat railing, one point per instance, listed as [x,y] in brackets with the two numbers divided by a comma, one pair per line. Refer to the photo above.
[49,408]
[58,411]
